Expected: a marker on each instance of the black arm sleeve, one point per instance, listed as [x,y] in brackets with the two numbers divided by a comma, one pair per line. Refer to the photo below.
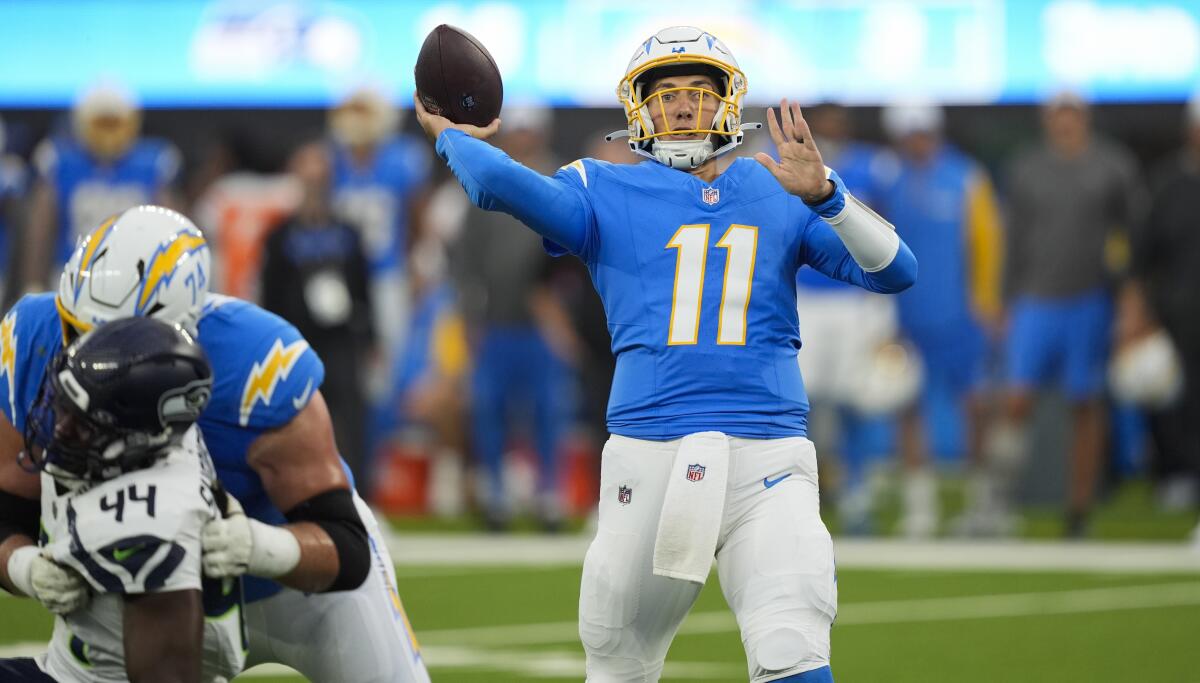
[334,511]
[18,516]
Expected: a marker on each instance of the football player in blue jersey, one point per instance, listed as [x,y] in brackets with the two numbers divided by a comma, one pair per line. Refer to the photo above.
[696,264]
[947,212]
[378,182]
[848,333]
[324,577]
[101,168]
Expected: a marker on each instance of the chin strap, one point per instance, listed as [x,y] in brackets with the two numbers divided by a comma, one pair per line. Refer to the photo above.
[682,154]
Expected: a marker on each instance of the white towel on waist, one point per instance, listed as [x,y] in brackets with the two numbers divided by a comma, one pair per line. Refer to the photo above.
[692,508]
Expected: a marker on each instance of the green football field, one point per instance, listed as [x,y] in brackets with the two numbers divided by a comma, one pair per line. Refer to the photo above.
[488,623]
[1123,607]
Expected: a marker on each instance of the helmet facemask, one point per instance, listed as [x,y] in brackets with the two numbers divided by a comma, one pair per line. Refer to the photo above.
[73,444]
[682,51]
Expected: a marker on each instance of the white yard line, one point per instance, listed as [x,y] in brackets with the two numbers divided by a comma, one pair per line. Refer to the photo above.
[463,550]
[448,648]
[866,613]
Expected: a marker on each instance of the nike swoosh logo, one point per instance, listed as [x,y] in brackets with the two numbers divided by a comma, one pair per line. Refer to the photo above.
[122,554]
[299,401]
[768,482]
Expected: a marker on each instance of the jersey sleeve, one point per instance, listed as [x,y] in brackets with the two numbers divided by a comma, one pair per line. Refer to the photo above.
[575,175]
[25,349]
[822,248]
[8,364]
[552,207]
[277,373]
[139,533]
[985,240]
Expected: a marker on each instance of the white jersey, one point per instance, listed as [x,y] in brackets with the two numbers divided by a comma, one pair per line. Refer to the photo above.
[137,533]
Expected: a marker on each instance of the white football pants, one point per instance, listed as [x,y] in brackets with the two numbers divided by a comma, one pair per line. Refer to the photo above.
[358,636]
[774,558]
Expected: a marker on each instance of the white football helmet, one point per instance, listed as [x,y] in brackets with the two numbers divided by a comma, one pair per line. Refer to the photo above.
[675,51]
[145,261]
[364,119]
[1147,372]
[890,381]
[106,120]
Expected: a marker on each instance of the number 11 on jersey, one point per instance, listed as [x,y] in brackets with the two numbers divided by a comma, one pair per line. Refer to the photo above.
[691,241]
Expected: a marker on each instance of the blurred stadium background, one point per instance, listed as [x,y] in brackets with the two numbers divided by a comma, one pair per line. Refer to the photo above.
[468,372]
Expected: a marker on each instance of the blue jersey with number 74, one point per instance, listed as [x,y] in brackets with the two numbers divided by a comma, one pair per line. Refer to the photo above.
[697,280]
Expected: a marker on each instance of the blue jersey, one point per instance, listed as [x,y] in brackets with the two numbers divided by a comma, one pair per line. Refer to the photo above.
[853,161]
[946,212]
[375,197]
[263,374]
[88,191]
[697,280]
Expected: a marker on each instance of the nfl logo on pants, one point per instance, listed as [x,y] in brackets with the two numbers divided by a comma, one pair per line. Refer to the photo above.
[624,495]
[695,472]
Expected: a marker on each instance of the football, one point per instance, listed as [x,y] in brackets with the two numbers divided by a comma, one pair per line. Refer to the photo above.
[457,77]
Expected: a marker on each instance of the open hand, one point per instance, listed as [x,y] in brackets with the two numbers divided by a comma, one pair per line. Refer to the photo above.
[434,124]
[800,169]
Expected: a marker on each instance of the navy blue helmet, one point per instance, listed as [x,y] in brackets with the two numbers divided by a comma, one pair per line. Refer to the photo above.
[115,399]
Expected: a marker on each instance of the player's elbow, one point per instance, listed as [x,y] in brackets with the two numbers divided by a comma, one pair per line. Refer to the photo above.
[336,514]
[898,275]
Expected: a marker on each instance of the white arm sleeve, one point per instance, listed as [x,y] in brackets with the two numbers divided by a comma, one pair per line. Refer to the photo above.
[870,239]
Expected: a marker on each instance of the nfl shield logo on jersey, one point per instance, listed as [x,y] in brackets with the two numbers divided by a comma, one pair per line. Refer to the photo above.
[710,195]
[695,472]
[624,495]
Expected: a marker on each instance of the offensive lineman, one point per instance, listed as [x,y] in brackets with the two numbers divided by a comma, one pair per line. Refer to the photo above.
[696,267]
[127,487]
[328,577]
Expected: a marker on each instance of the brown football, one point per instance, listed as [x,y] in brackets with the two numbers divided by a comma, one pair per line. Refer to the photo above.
[457,78]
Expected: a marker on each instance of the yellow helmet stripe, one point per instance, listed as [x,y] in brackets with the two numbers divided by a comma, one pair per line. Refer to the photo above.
[93,245]
[162,265]
[69,321]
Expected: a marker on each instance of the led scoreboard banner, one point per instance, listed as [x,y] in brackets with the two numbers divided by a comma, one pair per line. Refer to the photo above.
[304,53]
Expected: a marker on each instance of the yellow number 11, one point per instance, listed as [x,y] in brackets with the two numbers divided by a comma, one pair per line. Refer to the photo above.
[741,245]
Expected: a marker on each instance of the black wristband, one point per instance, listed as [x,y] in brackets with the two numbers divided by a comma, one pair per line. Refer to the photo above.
[335,512]
[19,516]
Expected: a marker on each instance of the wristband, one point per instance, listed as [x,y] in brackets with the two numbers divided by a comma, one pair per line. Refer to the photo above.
[274,551]
[20,569]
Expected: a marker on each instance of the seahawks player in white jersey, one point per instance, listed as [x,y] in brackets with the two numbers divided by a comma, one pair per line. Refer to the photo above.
[320,587]
[127,487]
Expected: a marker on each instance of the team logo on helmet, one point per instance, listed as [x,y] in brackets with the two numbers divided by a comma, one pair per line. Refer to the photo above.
[161,267]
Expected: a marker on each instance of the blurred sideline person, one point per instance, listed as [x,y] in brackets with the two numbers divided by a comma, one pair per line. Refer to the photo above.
[101,168]
[315,276]
[1070,201]
[1162,294]
[844,328]
[520,341]
[318,572]
[379,183]
[696,267]
[127,488]
[946,208]
[14,183]
[572,285]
